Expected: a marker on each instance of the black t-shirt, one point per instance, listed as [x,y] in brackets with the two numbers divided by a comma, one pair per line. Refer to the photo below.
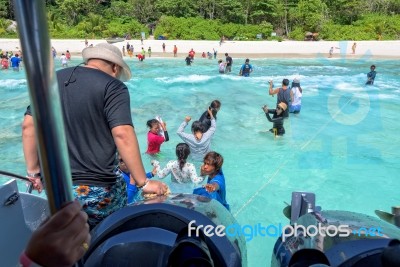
[229,61]
[93,103]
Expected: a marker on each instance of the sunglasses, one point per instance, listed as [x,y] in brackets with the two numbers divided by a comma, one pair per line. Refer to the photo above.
[279,108]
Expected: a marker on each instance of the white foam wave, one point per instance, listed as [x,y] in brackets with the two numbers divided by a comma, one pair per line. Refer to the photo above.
[10,83]
[185,79]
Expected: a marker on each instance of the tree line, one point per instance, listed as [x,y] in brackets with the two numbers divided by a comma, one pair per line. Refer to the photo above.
[210,19]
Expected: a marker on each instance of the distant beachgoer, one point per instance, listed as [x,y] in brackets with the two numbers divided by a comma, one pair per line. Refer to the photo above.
[123,50]
[4,62]
[175,51]
[15,61]
[222,40]
[371,76]
[128,46]
[143,52]
[68,55]
[141,40]
[221,66]
[149,51]
[86,42]
[53,52]
[181,171]
[198,141]
[229,63]
[246,69]
[283,94]
[64,60]
[140,57]
[277,118]
[205,118]
[192,53]
[353,48]
[295,95]
[215,187]
[163,47]
[188,60]
[215,53]
[203,55]
[209,55]
[154,138]
[331,52]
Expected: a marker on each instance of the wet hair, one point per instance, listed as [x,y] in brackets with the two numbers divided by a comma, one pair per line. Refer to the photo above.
[220,61]
[226,54]
[182,152]
[151,122]
[197,126]
[285,82]
[215,104]
[373,66]
[214,159]
[247,60]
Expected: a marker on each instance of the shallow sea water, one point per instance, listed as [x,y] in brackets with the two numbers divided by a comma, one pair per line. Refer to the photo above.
[344,145]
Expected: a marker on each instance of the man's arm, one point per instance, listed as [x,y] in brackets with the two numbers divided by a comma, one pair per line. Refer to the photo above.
[29,145]
[291,96]
[128,147]
[271,90]
[30,151]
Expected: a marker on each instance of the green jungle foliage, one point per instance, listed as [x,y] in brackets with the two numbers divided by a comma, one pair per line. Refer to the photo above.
[211,19]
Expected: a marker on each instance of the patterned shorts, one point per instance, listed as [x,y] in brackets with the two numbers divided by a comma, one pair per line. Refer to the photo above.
[99,202]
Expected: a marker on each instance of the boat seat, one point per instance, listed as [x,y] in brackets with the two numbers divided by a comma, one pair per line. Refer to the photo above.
[20,214]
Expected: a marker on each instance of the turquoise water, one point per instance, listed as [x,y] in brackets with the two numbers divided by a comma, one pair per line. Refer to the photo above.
[344,145]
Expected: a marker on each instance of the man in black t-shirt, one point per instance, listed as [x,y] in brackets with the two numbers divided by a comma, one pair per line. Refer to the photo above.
[229,63]
[97,121]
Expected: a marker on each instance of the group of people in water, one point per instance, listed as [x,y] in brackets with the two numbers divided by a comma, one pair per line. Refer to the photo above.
[96,182]
[8,58]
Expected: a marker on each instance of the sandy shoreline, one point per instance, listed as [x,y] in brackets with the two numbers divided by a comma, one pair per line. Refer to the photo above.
[238,49]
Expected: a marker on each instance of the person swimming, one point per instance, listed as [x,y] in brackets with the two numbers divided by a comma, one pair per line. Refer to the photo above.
[277,118]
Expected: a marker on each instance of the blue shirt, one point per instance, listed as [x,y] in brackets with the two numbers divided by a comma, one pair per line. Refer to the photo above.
[15,62]
[132,189]
[220,194]
[246,69]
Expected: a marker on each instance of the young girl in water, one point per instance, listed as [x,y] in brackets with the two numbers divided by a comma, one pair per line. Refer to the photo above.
[154,137]
[181,171]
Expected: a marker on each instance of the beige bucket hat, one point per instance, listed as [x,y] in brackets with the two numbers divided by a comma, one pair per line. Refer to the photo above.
[110,53]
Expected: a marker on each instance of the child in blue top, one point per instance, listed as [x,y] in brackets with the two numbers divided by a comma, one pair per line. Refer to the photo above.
[215,187]
[131,188]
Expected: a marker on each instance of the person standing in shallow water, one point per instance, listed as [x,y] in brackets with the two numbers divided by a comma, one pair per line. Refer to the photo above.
[215,187]
[246,69]
[277,118]
[283,94]
[181,171]
[205,118]
[198,141]
[371,76]
[229,63]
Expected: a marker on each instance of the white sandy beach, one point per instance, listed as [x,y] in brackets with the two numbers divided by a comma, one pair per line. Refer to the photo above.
[251,49]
